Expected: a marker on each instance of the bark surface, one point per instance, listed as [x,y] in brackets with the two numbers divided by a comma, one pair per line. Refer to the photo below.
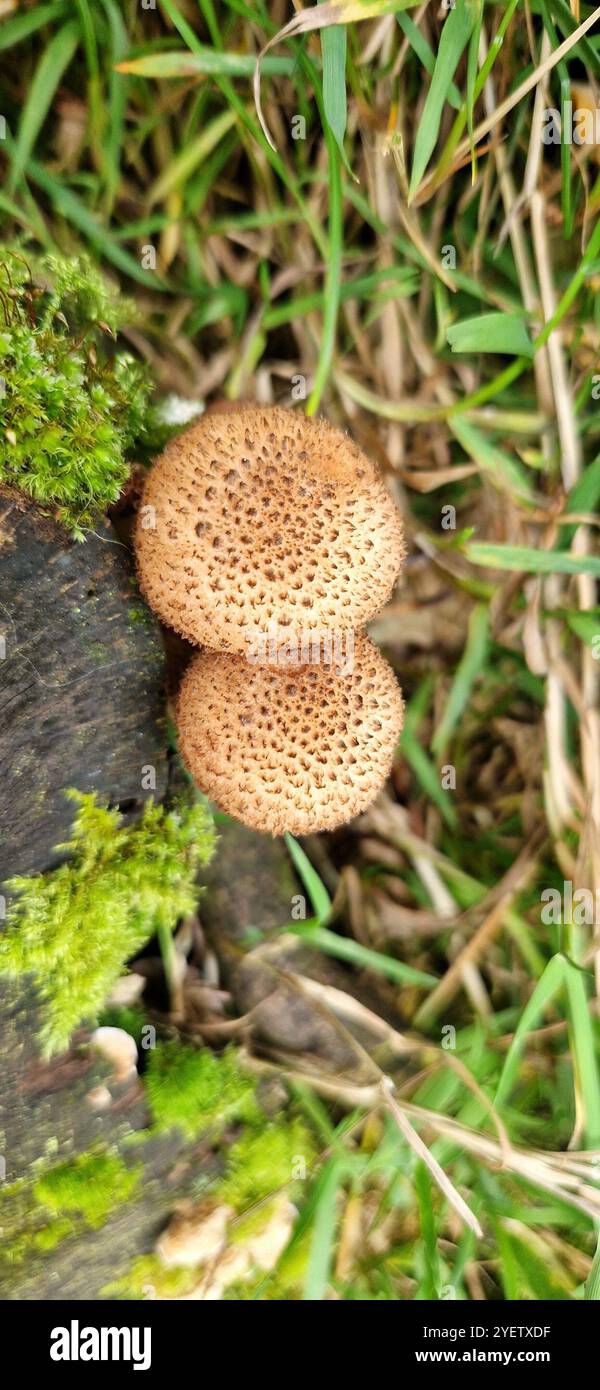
[81,683]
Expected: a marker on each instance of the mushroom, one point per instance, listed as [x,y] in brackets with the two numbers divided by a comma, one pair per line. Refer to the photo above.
[259,520]
[119,1048]
[300,749]
[195,1234]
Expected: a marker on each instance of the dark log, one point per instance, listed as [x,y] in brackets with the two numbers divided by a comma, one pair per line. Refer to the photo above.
[81,682]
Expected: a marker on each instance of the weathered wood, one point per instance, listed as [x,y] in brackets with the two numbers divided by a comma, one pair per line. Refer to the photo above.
[46,1115]
[81,682]
[249,883]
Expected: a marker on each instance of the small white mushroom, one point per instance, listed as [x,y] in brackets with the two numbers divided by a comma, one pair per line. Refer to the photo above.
[119,1048]
[194,1235]
[267,1245]
[99,1098]
[234,1265]
[127,990]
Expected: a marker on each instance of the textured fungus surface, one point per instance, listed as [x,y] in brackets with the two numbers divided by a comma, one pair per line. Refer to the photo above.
[300,750]
[258,519]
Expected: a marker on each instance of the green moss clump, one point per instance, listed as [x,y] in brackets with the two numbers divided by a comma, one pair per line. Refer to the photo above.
[52,1235]
[262,1161]
[76,927]
[17,1225]
[72,408]
[90,1187]
[26,1228]
[149,1278]
[253,1223]
[194,1090]
[286,1282]
[139,617]
[129,1017]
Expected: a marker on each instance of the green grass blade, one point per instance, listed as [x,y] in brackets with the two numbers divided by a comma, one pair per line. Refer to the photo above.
[315,887]
[69,206]
[345,948]
[204,62]
[54,61]
[586,626]
[472,61]
[584,1053]
[333,46]
[333,279]
[469,667]
[425,54]
[422,766]
[592,1284]
[13,31]
[323,1233]
[430,1283]
[545,991]
[503,471]
[428,777]
[501,333]
[195,153]
[521,557]
[118,88]
[455,36]
[583,497]
[567,22]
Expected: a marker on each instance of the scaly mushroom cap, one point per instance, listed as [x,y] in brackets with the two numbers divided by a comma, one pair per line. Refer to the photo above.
[300,750]
[257,520]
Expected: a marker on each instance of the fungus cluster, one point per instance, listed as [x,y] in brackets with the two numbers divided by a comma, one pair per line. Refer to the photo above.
[269,540]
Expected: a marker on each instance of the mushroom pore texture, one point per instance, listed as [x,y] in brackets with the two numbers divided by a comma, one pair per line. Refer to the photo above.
[300,749]
[258,520]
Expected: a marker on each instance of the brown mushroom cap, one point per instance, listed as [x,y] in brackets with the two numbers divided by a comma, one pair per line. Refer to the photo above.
[300,750]
[259,519]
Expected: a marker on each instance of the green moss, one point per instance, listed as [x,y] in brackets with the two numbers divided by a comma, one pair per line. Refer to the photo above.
[253,1223]
[96,653]
[37,1215]
[262,1161]
[90,1187]
[73,408]
[139,617]
[148,1278]
[75,928]
[284,1285]
[194,1090]
[131,1019]
[16,1221]
[26,1228]
[53,1234]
